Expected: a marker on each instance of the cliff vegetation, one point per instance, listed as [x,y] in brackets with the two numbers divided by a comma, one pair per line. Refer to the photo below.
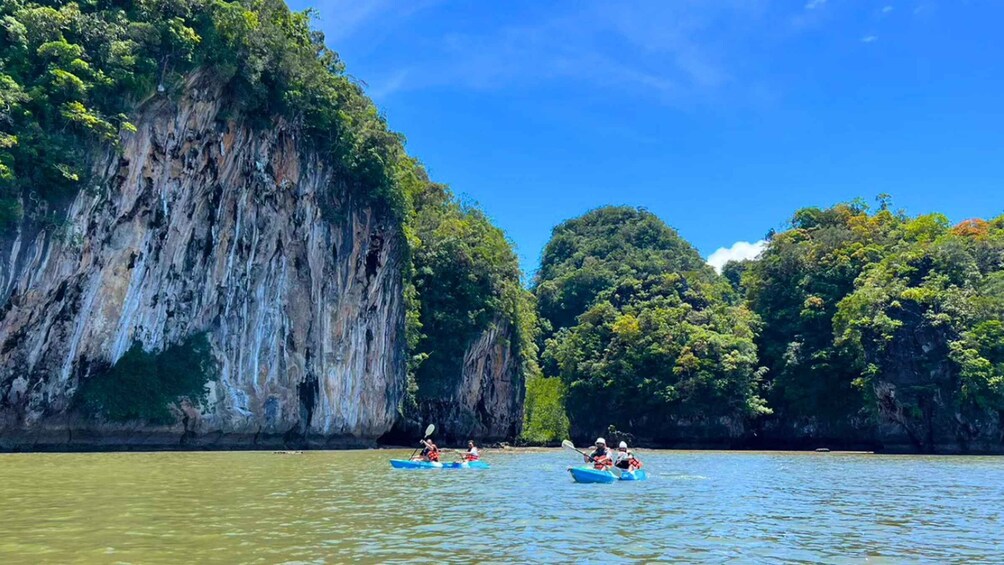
[75,74]
[855,328]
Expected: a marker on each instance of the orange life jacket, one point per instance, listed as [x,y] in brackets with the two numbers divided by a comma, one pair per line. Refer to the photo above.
[431,452]
[634,464]
[602,462]
[471,456]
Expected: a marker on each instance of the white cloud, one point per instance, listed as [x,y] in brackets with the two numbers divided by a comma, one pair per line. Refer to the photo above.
[739,251]
[886,9]
[868,39]
[813,4]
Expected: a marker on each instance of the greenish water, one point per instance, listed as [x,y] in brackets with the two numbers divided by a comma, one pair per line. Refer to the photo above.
[262,507]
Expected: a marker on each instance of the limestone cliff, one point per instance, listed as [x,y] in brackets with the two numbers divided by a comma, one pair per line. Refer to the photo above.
[201,223]
[486,402]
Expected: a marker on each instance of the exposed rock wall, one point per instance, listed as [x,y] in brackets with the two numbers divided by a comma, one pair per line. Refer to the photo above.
[200,223]
[486,401]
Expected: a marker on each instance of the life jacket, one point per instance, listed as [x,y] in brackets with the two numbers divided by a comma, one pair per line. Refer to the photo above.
[431,453]
[602,461]
[471,456]
[634,464]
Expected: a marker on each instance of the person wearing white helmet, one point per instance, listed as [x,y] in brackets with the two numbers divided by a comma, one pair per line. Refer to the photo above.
[625,459]
[600,456]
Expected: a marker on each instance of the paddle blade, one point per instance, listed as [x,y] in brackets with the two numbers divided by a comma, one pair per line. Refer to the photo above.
[430,429]
[568,445]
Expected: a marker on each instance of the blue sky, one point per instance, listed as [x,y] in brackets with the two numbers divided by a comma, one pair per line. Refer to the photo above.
[722,117]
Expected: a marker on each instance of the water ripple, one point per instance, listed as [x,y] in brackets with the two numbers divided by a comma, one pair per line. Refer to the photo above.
[323,507]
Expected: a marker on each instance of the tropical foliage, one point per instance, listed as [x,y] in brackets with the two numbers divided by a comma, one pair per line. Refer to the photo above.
[150,386]
[795,288]
[466,279]
[592,253]
[73,72]
[544,419]
[873,317]
[647,338]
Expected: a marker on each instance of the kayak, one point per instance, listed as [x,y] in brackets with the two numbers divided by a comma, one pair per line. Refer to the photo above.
[637,475]
[590,475]
[406,464]
[467,465]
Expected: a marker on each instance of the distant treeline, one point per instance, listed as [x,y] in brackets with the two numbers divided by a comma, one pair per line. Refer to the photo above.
[854,328]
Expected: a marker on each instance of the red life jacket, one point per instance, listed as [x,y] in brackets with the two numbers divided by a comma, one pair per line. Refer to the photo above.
[471,456]
[634,464]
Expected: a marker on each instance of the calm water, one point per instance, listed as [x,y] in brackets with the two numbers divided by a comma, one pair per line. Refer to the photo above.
[343,506]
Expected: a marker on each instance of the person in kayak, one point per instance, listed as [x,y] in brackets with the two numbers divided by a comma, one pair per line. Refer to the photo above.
[430,452]
[472,452]
[625,459]
[600,456]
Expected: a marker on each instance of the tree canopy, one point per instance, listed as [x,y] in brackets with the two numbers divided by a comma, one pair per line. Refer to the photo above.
[647,338]
[591,253]
[71,74]
[877,317]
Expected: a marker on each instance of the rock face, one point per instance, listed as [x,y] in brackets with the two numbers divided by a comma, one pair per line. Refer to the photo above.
[487,400]
[202,224]
[917,397]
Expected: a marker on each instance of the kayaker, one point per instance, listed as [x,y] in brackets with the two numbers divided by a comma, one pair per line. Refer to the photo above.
[600,456]
[472,452]
[625,459]
[429,452]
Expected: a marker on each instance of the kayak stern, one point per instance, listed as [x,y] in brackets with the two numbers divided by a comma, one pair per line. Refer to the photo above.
[637,475]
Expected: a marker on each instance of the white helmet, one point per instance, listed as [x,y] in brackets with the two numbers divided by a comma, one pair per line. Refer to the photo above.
[623,445]
[600,440]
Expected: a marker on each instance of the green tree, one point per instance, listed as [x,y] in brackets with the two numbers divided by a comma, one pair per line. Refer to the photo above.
[795,287]
[591,253]
[646,337]
[544,419]
[925,323]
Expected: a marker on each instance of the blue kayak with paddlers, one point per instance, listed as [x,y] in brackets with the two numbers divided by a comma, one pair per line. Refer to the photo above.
[429,458]
[606,467]
[408,464]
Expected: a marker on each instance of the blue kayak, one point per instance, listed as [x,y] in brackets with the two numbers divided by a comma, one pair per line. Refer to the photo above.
[406,464]
[467,465]
[638,475]
[590,475]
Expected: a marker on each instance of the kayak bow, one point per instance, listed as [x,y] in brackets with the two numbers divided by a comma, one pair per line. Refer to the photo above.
[406,464]
[590,475]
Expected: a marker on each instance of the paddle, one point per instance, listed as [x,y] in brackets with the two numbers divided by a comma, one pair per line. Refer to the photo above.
[428,432]
[569,445]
